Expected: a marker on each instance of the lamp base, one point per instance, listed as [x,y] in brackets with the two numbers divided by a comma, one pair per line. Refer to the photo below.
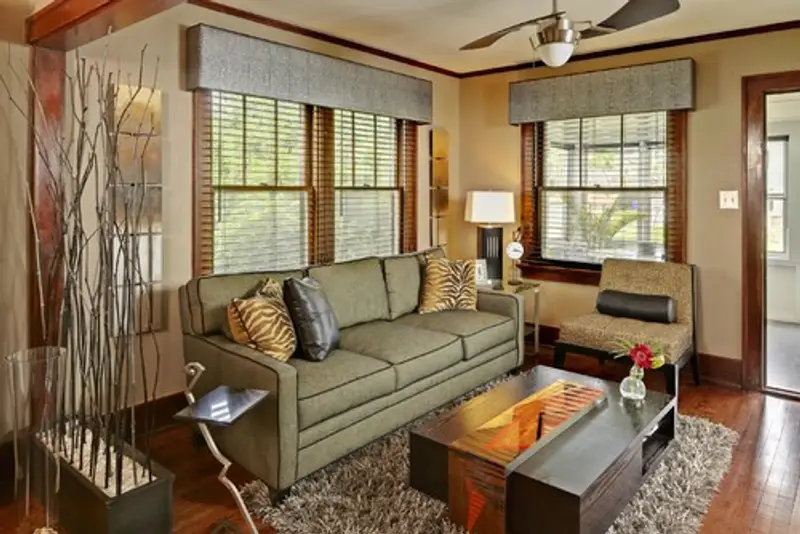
[490,244]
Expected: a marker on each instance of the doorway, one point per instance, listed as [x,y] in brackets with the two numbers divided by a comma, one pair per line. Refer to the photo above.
[782,340]
[771,233]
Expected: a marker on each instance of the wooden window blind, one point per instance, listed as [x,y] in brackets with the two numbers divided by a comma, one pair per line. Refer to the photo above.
[283,185]
[602,187]
[368,196]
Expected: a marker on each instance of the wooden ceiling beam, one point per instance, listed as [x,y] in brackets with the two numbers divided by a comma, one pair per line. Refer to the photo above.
[68,24]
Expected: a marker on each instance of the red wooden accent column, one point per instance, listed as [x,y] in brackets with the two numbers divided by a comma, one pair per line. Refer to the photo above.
[48,74]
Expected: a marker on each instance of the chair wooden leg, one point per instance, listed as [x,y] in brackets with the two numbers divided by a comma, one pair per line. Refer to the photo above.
[671,374]
[560,356]
[696,368]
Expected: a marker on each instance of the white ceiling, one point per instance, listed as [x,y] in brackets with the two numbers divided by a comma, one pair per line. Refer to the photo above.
[433,30]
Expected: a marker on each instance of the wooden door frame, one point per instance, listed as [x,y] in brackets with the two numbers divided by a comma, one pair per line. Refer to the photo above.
[754,138]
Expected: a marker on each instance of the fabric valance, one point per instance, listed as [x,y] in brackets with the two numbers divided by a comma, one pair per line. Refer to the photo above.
[218,59]
[661,86]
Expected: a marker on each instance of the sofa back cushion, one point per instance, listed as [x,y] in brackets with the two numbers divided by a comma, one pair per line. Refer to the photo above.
[356,290]
[403,276]
[208,297]
[675,280]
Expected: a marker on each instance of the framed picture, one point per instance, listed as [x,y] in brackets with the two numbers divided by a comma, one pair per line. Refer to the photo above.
[481,273]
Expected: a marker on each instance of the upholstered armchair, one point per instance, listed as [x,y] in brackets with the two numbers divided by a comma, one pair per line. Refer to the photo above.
[598,334]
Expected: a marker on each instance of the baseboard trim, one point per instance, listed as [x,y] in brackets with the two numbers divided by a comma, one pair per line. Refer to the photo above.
[721,371]
[713,369]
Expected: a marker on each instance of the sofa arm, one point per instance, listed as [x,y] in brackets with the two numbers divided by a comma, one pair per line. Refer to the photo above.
[509,305]
[264,440]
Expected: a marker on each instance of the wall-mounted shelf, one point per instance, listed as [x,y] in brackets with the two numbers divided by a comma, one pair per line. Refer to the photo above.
[439,191]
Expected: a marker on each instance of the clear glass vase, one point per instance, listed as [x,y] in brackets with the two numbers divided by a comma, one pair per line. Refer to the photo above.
[35,379]
[632,387]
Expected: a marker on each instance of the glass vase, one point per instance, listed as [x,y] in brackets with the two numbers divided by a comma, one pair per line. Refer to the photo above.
[632,387]
[35,380]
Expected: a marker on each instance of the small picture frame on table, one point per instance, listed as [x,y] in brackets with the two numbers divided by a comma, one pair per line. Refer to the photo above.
[482,274]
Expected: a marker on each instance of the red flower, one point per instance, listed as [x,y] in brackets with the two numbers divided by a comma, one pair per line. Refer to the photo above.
[642,356]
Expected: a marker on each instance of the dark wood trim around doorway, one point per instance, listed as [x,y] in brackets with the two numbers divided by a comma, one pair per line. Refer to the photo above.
[754,138]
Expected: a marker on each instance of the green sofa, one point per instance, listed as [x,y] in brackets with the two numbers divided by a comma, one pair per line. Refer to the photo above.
[393,365]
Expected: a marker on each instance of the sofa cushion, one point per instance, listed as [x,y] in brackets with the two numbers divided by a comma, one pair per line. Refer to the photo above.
[209,296]
[403,276]
[479,331]
[343,381]
[414,353]
[604,332]
[355,290]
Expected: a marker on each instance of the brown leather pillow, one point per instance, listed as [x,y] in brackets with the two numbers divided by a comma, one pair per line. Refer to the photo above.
[314,321]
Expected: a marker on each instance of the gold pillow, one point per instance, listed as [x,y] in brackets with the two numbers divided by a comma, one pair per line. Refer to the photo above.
[263,322]
[449,285]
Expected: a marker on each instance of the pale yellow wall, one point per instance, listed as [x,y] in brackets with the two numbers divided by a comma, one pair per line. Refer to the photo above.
[163,37]
[490,157]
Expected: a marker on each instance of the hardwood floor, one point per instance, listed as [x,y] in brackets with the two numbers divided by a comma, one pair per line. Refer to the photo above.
[759,495]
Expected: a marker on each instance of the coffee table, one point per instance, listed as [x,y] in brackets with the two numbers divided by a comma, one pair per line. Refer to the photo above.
[576,483]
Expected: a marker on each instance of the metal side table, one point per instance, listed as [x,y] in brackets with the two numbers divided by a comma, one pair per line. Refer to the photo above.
[220,407]
[536,287]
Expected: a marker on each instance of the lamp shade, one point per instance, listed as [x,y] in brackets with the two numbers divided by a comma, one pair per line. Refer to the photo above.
[490,207]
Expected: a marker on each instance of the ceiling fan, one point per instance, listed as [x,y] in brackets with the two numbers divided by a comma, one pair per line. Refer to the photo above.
[556,35]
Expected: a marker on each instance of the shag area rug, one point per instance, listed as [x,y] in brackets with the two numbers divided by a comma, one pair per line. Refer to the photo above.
[367,491]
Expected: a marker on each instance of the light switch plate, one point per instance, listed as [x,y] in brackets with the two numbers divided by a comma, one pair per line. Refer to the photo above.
[729,200]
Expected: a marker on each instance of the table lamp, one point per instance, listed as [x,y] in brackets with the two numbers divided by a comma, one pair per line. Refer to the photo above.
[489,209]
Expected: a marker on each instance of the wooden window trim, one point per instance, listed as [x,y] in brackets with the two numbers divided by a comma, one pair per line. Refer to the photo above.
[532,266]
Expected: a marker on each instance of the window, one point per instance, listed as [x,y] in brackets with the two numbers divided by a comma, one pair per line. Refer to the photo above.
[260,195]
[601,187]
[777,182]
[367,191]
[283,185]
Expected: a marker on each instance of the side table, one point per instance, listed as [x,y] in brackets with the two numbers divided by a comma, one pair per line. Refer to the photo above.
[536,287]
[220,407]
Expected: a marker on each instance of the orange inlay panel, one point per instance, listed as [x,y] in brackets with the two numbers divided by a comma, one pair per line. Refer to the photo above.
[507,436]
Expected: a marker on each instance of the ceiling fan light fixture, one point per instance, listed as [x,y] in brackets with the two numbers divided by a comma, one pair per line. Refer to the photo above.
[555,54]
[556,42]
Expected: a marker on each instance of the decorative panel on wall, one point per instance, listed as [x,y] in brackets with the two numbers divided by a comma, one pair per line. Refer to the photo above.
[664,86]
[440,186]
[221,60]
[139,151]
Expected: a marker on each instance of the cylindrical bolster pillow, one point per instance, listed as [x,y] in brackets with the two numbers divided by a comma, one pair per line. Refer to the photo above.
[649,308]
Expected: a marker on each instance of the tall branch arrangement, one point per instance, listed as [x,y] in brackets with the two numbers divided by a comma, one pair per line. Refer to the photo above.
[90,295]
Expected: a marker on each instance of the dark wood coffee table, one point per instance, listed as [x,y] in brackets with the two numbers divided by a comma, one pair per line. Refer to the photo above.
[577,483]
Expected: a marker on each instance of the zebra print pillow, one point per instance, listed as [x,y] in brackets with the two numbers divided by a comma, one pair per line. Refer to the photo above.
[262,322]
[449,285]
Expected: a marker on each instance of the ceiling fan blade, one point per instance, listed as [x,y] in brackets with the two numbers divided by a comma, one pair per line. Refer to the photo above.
[492,38]
[632,14]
